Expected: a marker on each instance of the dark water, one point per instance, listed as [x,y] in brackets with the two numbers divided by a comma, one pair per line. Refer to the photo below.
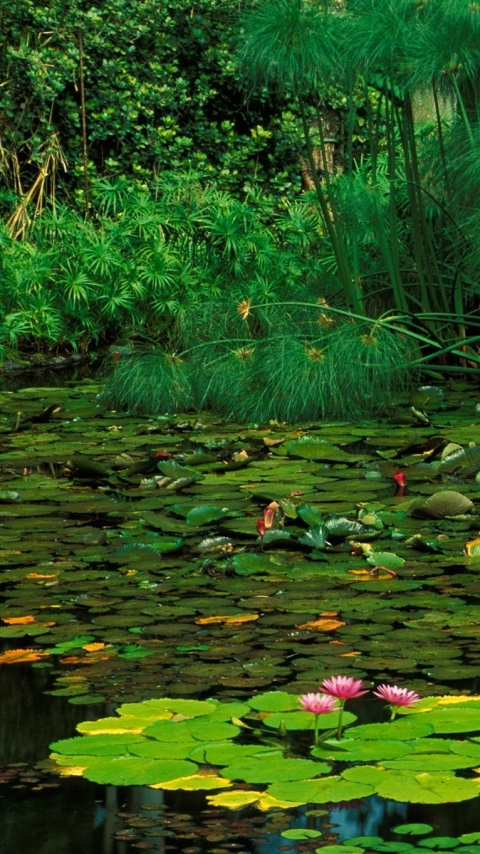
[41,813]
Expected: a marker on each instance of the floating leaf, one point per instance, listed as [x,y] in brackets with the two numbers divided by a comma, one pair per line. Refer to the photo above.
[17,656]
[227,619]
[258,564]
[323,624]
[97,745]
[323,791]
[415,829]
[440,843]
[234,800]
[472,548]
[221,545]
[315,537]
[311,448]
[9,497]
[270,769]
[385,559]
[19,621]
[300,833]
[176,472]
[195,783]
[313,516]
[204,514]
[274,701]
[132,770]
[444,504]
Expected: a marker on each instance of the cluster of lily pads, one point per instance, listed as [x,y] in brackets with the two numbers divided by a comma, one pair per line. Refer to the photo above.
[466,843]
[210,745]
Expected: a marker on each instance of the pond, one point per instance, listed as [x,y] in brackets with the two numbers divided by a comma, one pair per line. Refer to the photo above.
[185,558]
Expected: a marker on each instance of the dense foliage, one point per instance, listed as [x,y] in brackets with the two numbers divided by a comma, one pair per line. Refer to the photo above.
[233,164]
[131,89]
[153,255]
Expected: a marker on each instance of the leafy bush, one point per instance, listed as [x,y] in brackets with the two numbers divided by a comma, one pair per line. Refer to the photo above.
[151,263]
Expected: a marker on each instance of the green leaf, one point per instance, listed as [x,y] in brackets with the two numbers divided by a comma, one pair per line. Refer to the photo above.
[409,727]
[199,647]
[136,771]
[170,705]
[97,745]
[176,472]
[310,514]
[414,829]
[467,838]
[204,514]
[229,752]
[151,749]
[300,833]
[274,701]
[386,559]
[305,720]
[339,849]
[452,719]
[311,448]
[439,843]
[322,791]
[253,564]
[315,537]
[427,788]
[366,751]
[268,769]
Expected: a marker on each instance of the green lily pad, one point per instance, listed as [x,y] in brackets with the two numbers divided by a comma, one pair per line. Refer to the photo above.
[204,514]
[271,770]
[300,833]
[413,829]
[136,771]
[97,745]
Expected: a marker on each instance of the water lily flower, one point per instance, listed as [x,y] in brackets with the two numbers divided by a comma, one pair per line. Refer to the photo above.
[400,479]
[343,688]
[261,527]
[318,704]
[272,516]
[396,697]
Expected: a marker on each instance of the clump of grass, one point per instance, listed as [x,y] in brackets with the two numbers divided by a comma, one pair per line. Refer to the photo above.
[288,380]
[347,370]
[224,378]
[371,367]
[150,383]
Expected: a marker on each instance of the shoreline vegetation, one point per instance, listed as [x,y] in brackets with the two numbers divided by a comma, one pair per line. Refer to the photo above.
[311,253]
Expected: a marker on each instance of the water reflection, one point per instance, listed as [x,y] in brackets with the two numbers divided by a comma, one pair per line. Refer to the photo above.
[31,720]
[56,376]
[53,821]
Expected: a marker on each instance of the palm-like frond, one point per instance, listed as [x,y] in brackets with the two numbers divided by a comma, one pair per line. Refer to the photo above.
[376,34]
[444,46]
[291,45]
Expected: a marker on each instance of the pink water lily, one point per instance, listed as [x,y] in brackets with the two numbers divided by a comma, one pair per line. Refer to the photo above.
[261,527]
[343,687]
[396,697]
[318,704]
